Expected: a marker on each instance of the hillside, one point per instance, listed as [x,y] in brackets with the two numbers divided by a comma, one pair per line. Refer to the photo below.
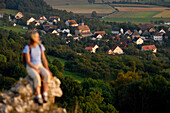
[66,2]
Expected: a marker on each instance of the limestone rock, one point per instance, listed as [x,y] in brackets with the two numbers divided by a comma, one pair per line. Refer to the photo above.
[21,98]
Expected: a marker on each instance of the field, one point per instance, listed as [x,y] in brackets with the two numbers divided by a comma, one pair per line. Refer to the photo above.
[66,2]
[136,13]
[88,8]
[67,73]
[8,11]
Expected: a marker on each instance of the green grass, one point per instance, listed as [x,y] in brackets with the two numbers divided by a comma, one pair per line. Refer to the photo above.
[9,11]
[133,20]
[134,14]
[17,28]
[66,73]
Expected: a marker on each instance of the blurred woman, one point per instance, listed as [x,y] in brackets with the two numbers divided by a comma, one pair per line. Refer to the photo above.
[34,56]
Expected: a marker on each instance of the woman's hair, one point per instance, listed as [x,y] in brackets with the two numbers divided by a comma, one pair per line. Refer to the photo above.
[32,34]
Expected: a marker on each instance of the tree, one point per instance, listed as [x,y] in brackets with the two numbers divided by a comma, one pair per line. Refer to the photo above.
[94,14]
[58,64]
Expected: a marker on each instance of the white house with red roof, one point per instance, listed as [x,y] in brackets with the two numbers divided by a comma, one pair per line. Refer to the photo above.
[19,15]
[72,23]
[115,50]
[158,36]
[149,48]
[92,48]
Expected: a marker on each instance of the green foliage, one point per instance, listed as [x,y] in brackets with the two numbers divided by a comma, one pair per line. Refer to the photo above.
[59,65]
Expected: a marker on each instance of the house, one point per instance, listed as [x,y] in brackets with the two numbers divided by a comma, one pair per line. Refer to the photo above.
[54,18]
[19,15]
[55,32]
[151,30]
[158,37]
[42,19]
[115,50]
[138,41]
[77,38]
[49,27]
[140,31]
[146,34]
[128,32]
[2,15]
[72,23]
[100,32]
[65,30]
[92,48]
[36,23]
[135,34]
[97,36]
[115,31]
[30,20]
[83,30]
[122,31]
[149,48]
[162,31]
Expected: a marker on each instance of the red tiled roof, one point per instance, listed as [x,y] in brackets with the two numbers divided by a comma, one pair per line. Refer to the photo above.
[72,21]
[85,27]
[158,34]
[149,47]
[53,17]
[88,48]
[100,32]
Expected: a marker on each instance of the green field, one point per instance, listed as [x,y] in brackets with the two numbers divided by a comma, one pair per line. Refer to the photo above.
[17,28]
[133,20]
[8,11]
[86,8]
[67,73]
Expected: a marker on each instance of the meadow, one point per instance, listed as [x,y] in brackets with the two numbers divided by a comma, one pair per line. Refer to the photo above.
[66,73]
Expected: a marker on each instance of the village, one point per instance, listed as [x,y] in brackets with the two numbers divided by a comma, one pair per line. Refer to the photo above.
[147,32]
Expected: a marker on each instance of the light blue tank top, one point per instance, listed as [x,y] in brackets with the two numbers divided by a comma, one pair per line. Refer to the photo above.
[35,53]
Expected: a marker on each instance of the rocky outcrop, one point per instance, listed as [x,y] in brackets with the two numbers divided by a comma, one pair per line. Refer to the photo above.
[21,98]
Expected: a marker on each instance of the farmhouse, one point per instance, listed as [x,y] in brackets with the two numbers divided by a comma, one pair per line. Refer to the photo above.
[149,48]
[48,27]
[128,32]
[162,31]
[55,32]
[19,15]
[72,23]
[151,30]
[158,37]
[115,50]
[30,20]
[138,41]
[54,18]
[115,31]
[100,32]
[42,19]
[92,48]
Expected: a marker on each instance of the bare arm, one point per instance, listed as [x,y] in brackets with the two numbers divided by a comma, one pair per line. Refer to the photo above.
[44,59]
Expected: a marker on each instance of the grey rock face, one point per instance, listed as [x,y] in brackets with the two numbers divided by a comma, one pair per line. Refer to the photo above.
[21,98]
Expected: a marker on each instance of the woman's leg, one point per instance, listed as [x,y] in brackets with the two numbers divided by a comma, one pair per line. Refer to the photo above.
[37,82]
[46,75]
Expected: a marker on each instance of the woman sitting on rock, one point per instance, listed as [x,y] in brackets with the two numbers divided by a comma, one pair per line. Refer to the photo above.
[34,56]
